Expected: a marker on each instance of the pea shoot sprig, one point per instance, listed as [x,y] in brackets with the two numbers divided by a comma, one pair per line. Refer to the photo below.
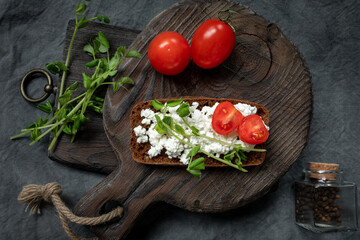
[70,113]
[167,125]
[80,22]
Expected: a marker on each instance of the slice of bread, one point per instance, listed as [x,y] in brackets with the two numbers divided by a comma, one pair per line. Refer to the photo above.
[140,150]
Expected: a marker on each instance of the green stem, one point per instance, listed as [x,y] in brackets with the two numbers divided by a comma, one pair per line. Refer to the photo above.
[56,137]
[77,107]
[76,20]
[42,127]
[46,132]
[118,63]
[59,122]
[87,100]
[19,135]
[67,64]
[186,123]
[221,160]
[62,107]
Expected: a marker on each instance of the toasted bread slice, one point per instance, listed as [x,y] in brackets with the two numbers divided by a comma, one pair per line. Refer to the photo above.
[140,150]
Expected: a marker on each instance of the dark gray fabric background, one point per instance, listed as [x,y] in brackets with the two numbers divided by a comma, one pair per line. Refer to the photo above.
[32,33]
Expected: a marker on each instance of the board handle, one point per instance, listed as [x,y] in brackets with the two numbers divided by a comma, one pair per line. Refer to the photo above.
[119,189]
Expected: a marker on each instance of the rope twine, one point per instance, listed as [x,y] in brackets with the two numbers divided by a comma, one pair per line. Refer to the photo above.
[34,194]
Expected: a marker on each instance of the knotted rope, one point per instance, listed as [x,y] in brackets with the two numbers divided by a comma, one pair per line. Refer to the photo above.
[33,195]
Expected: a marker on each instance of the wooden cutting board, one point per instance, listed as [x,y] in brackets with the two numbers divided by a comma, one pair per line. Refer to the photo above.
[91,150]
[264,67]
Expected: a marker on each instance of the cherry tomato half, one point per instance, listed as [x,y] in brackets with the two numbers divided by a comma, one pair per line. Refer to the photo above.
[226,118]
[252,130]
[169,53]
[212,43]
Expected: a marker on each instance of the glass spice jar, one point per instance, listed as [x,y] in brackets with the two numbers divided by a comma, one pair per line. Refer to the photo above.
[323,201]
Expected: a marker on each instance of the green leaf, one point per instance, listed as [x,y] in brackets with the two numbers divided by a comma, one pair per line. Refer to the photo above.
[101,17]
[196,173]
[238,162]
[98,99]
[133,54]
[76,126]
[45,108]
[83,119]
[52,68]
[159,127]
[67,129]
[103,49]
[168,121]
[31,126]
[123,80]
[240,154]
[48,104]
[157,105]
[104,65]
[89,49]
[73,86]
[40,122]
[80,9]
[86,81]
[158,119]
[179,129]
[126,80]
[82,23]
[35,134]
[100,44]
[63,99]
[116,86]
[194,130]
[61,66]
[193,152]
[174,103]
[183,110]
[96,109]
[197,164]
[103,40]
[93,63]
[113,73]
[121,50]
[97,44]
[114,61]
[229,157]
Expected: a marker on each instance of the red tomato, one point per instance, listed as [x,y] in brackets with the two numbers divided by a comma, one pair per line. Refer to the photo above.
[212,43]
[226,118]
[169,53]
[252,130]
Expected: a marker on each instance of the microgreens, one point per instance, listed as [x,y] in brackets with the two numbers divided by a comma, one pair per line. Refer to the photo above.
[70,113]
[167,125]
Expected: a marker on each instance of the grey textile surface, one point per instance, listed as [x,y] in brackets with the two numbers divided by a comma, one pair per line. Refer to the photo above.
[32,33]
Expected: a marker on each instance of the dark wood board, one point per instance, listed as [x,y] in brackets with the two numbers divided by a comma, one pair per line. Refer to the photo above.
[91,150]
[264,68]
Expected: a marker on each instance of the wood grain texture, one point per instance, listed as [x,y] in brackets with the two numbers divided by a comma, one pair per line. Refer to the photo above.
[264,68]
[91,150]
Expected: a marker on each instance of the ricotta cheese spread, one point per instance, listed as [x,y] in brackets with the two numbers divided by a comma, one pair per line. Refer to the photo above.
[201,119]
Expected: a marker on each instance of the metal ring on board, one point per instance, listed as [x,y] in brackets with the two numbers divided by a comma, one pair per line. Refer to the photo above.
[49,88]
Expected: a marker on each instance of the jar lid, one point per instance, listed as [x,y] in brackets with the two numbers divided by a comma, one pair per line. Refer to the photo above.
[317,166]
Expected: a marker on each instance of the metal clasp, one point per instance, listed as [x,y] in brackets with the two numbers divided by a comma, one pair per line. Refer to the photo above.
[49,88]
